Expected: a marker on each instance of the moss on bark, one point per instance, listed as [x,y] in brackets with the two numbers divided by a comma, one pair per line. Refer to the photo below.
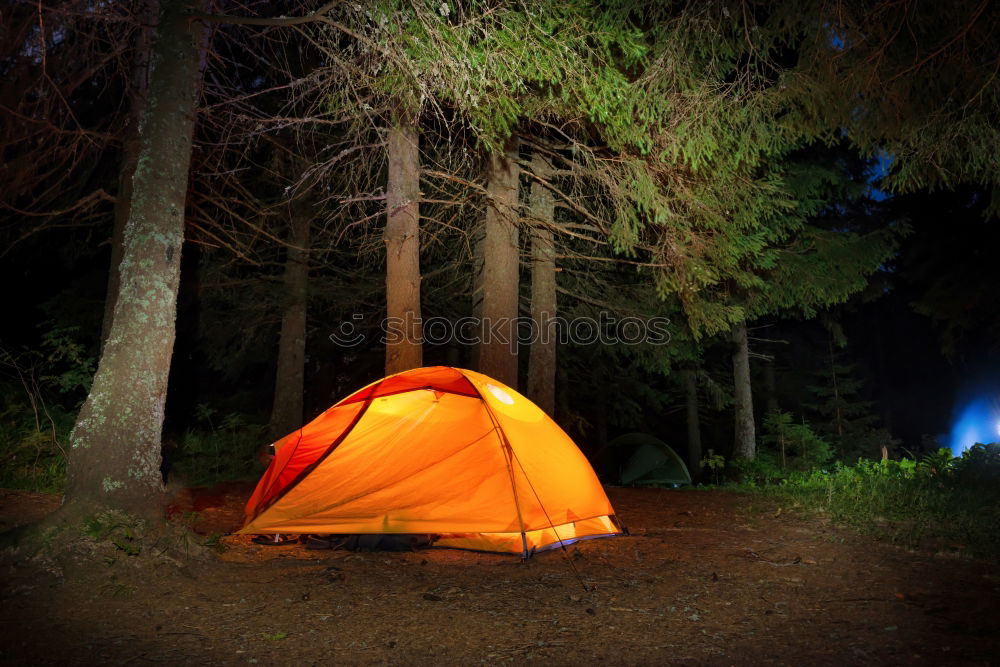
[114,458]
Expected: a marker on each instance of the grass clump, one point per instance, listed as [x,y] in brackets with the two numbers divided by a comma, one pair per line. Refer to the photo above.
[119,529]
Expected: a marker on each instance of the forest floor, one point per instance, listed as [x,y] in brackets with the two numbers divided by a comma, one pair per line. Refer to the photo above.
[707,577]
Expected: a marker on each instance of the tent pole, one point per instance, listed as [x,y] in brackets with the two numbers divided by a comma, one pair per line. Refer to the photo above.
[508,454]
[555,531]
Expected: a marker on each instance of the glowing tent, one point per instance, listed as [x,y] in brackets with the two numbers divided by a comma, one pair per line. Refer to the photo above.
[439,451]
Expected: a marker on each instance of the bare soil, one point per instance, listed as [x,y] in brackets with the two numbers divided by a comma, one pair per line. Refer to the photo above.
[705,578]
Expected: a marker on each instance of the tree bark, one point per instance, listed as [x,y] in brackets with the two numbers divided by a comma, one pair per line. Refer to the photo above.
[542,357]
[286,411]
[138,89]
[693,422]
[745,444]
[501,264]
[114,457]
[404,346]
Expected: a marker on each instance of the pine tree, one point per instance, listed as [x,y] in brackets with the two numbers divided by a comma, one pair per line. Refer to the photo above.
[138,88]
[543,354]
[793,445]
[841,413]
[287,407]
[500,270]
[913,82]
[114,459]
[402,249]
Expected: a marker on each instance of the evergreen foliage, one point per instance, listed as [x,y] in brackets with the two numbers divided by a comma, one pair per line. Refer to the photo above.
[914,82]
[793,445]
[842,414]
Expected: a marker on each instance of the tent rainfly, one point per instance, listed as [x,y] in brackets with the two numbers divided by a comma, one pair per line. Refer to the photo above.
[440,451]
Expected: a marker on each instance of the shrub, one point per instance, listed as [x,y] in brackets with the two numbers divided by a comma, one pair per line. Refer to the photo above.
[40,392]
[793,444]
[938,502]
[714,463]
[32,442]
[979,463]
[213,453]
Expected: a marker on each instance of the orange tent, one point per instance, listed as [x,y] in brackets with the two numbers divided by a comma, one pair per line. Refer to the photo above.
[439,451]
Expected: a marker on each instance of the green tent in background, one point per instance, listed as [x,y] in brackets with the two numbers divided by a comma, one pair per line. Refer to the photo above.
[647,461]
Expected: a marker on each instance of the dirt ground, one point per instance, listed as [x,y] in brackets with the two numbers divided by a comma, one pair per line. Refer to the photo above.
[707,577]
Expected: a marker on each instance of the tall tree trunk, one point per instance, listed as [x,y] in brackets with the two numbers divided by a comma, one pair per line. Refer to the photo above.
[114,458]
[542,357]
[138,89]
[286,412]
[745,446]
[404,348]
[693,422]
[498,344]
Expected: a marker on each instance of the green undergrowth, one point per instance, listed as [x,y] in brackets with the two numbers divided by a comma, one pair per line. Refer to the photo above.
[938,502]
[33,444]
[122,531]
[34,439]
[219,449]
[41,390]
[34,458]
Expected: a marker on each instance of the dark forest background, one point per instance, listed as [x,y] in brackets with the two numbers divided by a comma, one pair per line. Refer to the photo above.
[736,187]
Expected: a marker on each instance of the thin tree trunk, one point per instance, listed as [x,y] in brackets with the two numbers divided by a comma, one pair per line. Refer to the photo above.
[562,396]
[478,234]
[838,415]
[498,346]
[884,384]
[286,412]
[137,92]
[600,417]
[114,458]
[781,442]
[745,445]
[770,388]
[542,357]
[693,422]
[404,348]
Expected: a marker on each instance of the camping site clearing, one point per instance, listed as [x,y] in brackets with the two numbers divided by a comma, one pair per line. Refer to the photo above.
[706,577]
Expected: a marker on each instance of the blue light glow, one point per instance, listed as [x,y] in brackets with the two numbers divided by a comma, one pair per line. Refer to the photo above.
[978,420]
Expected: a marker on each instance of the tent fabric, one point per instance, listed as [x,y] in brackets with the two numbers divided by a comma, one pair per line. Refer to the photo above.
[437,450]
[652,462]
